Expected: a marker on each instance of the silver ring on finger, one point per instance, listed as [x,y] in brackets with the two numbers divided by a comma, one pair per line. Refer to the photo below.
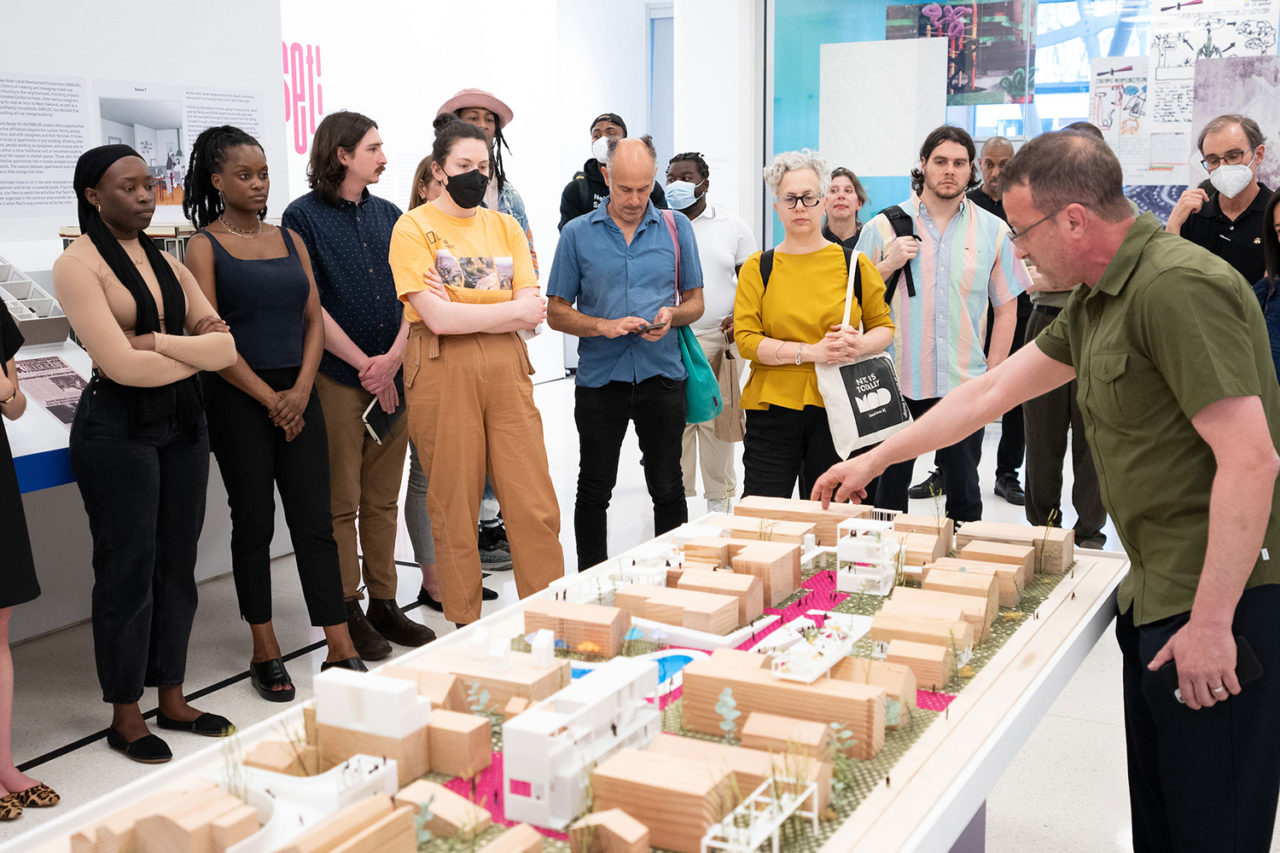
[1219,690]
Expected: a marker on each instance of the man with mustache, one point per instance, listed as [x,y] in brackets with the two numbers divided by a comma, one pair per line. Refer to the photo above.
[957,259]
[347,231]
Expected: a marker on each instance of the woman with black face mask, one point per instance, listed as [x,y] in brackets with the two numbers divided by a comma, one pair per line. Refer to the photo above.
[467,278]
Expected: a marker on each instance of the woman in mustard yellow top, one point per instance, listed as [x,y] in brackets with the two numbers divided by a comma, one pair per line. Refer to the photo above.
[794,323]
[466,276]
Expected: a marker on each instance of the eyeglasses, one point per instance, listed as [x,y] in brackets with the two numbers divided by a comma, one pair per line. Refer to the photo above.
[1231,158]
[807,200]
[1016,235]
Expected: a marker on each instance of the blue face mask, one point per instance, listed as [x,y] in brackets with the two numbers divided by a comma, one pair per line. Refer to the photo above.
[682,195]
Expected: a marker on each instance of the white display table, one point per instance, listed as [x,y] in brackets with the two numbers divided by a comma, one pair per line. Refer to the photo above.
[936,788]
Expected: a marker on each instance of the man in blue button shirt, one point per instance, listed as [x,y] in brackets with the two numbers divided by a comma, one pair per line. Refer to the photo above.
[617,265]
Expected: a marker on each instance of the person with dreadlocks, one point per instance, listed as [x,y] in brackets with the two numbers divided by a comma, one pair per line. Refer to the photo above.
[491,115]
[724,244]
[265,423]
[139,446]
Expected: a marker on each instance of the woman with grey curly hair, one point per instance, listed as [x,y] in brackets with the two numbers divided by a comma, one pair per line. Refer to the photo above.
[793,320]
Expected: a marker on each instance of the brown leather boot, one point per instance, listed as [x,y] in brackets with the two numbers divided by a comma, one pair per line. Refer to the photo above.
[370,644]
[389,620]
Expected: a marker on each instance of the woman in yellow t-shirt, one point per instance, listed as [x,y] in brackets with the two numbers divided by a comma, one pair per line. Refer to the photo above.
[794,323]
[466,277]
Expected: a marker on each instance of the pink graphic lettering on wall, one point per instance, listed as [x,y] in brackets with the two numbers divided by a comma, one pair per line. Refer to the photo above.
[303,94]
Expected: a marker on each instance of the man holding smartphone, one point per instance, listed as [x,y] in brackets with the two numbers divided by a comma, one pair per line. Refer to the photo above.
[613,285]
[1178,396]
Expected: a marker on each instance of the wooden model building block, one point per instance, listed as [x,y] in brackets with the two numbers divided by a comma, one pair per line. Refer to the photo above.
[886,627]
[785,735]
[235,826]
[1055,546]
[451,814]
[712,550]
[609,831]
[750,767]
[117,833]
[747,589]
[701,611]
[944,530]
[632,597]
[337,744]
[777,564]
[858,707]
[577,623]
[1007,575]
[976,584]
[371,714]
[459,744]
[932,665]
[280,756]
[676,798]
[185,823]
[739,658]
[443,689]
[824,521]
[515,706]
[522,678]
[897,679]
[520,838]
[921,548]
[1022,556]
[371,825]
[309,721]
[762,529]
[974,609]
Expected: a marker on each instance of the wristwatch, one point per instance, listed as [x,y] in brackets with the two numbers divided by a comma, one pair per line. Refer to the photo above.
[799,350]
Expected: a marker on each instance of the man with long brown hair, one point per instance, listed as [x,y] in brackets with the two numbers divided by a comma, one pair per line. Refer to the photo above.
[348,234]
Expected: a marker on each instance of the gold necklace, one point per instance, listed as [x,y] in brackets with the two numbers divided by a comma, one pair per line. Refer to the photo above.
[245,235]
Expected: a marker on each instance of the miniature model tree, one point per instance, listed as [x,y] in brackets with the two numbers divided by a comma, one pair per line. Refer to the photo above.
[727,708]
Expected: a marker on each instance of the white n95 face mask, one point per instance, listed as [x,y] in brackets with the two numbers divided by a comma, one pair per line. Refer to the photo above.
[1231,180]
[600,149]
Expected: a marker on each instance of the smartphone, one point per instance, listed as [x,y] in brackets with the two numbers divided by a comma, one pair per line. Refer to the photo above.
[651,326]
[1248,668]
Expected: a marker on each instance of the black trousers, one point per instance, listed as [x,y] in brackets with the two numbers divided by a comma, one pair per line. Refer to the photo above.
[1048,418]
[144,493]
[1010,450]
[656,406]
[1203,781]
[782,445]
[959,464]
[255,460]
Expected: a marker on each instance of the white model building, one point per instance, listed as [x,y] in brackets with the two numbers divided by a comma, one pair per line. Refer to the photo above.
[550,749]
[370,703]
[867,555]
[802,651]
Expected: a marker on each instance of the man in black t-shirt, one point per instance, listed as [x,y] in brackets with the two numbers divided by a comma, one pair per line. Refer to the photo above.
[585,190]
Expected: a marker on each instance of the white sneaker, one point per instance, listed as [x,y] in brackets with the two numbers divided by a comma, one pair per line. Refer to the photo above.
[722,505]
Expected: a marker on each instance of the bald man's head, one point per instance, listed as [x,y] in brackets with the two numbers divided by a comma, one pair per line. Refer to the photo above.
[996,153]
[629,169]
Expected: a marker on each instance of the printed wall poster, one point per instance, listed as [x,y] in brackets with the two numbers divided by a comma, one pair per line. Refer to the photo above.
[990,46]
[1251,85]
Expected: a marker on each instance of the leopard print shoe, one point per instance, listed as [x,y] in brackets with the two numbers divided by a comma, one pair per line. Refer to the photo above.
[10,808]
[39,796]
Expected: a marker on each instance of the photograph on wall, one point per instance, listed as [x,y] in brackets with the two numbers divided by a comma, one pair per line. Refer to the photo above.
[153,128]
[990,46]
[1251,85]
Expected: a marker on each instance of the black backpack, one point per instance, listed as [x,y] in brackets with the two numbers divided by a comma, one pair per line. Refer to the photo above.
[766,270]
[903,226]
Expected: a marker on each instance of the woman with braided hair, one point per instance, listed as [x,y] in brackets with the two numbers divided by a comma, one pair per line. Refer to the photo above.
[265,423]
[139,445]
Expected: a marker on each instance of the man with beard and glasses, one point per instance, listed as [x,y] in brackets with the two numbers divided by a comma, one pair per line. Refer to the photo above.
[955,261]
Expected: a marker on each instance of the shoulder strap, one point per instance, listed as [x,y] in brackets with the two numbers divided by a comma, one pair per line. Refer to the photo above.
[584,191]
[669,217]
[903,226]
[855,270]
[766,267]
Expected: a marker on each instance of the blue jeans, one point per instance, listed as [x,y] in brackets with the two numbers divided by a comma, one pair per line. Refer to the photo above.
[144,493]
[656,406]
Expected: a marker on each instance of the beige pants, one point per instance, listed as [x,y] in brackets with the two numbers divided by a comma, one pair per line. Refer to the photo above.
[471,413]
[364,488]
[719,480]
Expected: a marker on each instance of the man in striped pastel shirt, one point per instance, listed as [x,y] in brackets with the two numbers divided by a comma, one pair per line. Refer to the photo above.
[959,258]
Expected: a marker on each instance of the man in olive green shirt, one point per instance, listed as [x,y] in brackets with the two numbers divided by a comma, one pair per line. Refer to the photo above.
[1182,412]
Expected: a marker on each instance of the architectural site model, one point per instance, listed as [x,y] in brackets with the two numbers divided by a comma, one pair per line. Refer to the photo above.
[740,683]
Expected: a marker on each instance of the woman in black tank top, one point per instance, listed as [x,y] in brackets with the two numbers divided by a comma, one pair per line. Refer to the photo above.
[265,423]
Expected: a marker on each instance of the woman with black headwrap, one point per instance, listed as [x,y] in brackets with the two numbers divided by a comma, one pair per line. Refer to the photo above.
[139,446]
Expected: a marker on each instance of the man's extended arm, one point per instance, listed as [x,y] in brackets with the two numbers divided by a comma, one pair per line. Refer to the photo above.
[1027,373]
